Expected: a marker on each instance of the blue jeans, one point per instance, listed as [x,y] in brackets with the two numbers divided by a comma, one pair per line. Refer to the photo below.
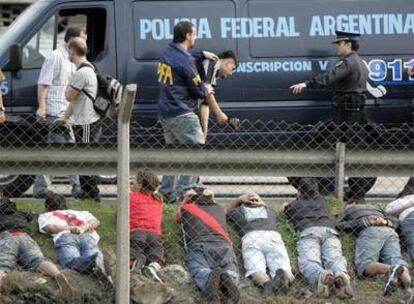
[43,181]
[76,251]
[319,248]
[377,244]
[407,232]
[203,257]
[184,130]
[19,249]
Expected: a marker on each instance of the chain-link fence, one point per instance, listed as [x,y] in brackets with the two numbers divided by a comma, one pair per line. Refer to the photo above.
[273,212]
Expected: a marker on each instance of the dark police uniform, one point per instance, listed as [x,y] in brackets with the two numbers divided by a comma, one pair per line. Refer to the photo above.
[348,81]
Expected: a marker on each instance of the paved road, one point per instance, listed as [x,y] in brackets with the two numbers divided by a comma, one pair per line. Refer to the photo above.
[276,188]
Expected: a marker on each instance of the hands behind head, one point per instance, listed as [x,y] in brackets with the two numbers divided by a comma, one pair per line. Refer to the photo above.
[251,198]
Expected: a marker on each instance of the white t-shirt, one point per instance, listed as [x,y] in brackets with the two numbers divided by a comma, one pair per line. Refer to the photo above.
[83,111]
[56,73]
[405,203]
[65,218]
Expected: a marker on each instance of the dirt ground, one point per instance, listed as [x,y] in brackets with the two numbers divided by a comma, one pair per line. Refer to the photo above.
[21,287]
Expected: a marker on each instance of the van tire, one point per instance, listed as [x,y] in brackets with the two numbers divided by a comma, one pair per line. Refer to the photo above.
[16,185]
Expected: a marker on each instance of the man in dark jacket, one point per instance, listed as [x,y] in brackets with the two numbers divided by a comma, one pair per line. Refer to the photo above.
[262,246]
[18,248]
[180,89]
[210,255]
[377,249]
[320,252]
[347,79]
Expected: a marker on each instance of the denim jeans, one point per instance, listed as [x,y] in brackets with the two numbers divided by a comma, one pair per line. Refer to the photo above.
[377,244]
[19,248]
[407,232]
[55,136]
[319,248]
[76,251]
[203,257]
[183,129]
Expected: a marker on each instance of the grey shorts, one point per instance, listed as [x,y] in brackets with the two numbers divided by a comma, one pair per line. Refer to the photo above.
[18,248]
[377,244]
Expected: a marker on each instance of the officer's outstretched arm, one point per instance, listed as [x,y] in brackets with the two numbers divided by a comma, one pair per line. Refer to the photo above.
[328,79]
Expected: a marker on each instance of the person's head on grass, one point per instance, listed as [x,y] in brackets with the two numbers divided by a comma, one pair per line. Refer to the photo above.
[146,181]
[54,202]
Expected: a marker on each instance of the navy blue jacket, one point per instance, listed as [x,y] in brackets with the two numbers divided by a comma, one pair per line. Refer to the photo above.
[180,84]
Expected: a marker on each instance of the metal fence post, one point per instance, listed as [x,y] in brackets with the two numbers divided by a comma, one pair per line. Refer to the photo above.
[122,235]
[340,170]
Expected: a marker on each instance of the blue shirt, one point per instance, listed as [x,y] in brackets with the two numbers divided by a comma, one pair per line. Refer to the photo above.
[180,84]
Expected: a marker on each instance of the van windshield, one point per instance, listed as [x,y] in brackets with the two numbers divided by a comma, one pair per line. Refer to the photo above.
[22,23]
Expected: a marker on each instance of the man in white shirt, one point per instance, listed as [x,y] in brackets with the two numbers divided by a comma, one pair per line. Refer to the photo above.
[403,207]
[75,238]
[53,79]
[87,126]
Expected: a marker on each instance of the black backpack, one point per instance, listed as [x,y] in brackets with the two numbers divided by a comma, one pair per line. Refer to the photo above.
[109,95]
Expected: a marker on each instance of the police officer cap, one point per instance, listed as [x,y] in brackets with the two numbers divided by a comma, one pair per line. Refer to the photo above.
[345,36]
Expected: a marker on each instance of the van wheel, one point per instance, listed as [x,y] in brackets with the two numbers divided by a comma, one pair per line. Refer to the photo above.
[15,185]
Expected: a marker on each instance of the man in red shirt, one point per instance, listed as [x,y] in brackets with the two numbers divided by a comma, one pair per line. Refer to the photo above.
[145,224]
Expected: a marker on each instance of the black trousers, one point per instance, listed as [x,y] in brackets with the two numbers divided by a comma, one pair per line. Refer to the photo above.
[146,247]
[358,186]
[88,134]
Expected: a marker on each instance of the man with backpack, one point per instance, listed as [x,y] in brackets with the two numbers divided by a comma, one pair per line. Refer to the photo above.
[53,78]
[80,94]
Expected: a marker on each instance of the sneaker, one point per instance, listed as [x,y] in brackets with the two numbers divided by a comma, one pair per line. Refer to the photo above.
[100,272]
[268,288]
[76,192]
[325,282]
[210,292]
[150,272]
[229,288]
[391,279]
[137,266]
[280,282]
[64,286]
[343,284]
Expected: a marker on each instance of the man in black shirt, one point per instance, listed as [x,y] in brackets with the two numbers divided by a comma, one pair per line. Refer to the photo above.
[210,256]
[320,252]
[377,250]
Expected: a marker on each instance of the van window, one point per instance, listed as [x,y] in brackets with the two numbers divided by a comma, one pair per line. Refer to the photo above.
[40,46]
[153,25]
[52,33]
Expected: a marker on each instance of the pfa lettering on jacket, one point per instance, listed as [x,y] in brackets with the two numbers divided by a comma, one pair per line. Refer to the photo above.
[164,73]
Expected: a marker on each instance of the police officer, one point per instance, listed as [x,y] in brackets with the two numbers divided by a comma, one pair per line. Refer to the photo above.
[348,81]
[180,89]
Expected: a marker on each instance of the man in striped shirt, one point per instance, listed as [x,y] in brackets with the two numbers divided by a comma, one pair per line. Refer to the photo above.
[210,71]
[53,79]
